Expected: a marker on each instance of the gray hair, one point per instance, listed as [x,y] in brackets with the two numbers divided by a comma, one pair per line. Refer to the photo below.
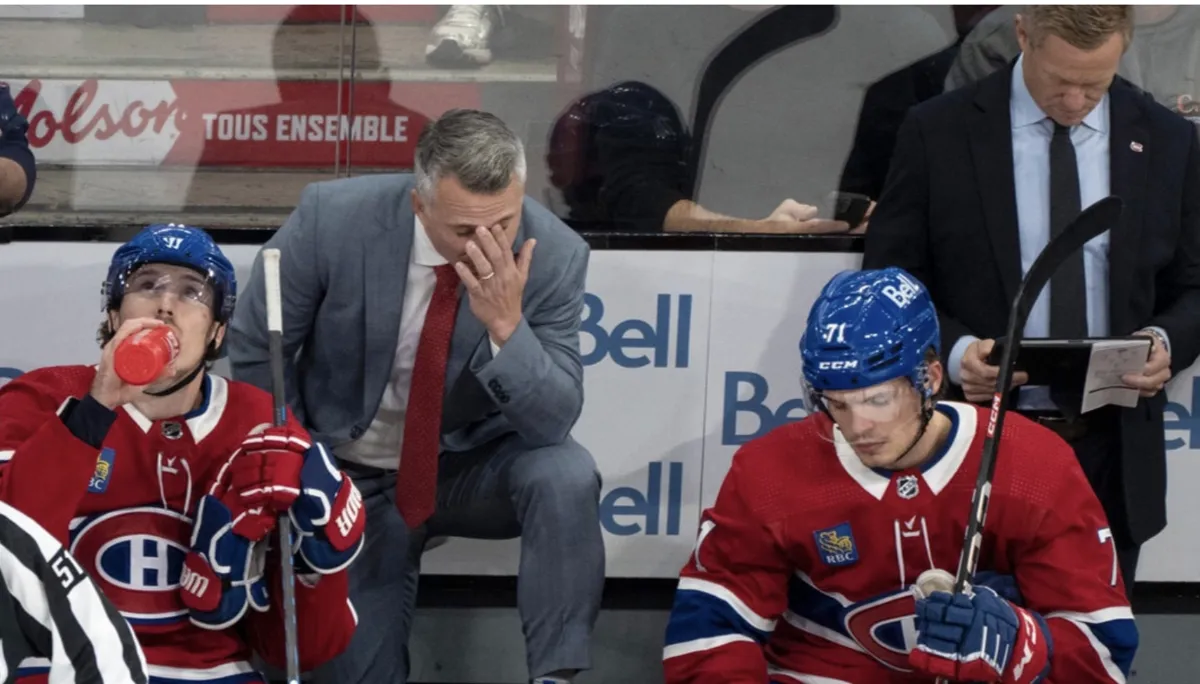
[475,147]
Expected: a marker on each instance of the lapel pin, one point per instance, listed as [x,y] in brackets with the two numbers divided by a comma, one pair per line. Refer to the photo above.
[1135,146]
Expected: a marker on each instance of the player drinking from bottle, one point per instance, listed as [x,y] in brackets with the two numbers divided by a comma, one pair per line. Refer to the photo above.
[168,494]
[804,569]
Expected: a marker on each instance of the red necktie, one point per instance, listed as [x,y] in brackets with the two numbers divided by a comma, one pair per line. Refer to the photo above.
[416,482]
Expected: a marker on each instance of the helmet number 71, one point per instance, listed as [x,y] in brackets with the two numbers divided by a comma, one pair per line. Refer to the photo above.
[835,332]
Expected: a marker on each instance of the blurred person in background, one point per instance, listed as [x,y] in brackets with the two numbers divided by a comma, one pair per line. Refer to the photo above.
[473,36]
[887,101]
[776,137]
[18,172]
[464,36]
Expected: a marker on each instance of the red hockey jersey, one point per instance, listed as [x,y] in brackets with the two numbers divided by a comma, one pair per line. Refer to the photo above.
[802,570]
[126,514]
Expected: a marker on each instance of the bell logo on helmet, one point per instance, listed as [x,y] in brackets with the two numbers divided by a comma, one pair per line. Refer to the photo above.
[903,295]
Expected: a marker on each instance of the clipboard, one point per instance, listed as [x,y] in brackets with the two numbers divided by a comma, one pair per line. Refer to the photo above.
[1059,362]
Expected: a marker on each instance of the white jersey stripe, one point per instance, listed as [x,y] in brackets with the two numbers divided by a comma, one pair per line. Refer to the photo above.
[803,678]
[717,591]
[706,644]
[1106,660]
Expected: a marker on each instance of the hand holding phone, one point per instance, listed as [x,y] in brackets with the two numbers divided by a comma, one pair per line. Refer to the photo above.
[850,207]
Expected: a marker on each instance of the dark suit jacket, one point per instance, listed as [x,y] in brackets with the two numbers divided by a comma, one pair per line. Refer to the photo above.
[948,214]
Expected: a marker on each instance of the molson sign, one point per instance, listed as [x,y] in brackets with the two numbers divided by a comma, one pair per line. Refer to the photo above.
[256,123]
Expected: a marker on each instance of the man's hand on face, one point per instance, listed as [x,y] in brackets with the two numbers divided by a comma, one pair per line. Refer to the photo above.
[495,280]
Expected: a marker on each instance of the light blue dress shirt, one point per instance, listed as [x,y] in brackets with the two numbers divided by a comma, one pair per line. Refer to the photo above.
[1031,134]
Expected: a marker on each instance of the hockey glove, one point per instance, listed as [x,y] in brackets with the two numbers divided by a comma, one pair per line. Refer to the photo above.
[328,516]
[980,637]
[261,479]
[223,572]
[1004,585]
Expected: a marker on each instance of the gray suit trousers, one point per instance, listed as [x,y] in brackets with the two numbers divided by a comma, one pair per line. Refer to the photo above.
[548,496]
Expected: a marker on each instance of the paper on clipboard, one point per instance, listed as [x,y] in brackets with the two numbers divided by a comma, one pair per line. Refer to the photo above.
[1110,360]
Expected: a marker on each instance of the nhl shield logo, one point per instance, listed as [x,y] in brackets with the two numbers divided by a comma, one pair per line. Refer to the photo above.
[908,487]
[172,430]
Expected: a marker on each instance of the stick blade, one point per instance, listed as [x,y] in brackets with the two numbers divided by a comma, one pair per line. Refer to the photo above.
[1099,217]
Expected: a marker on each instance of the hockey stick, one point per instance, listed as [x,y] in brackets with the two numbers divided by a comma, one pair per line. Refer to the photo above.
[288,576]
[1093,221]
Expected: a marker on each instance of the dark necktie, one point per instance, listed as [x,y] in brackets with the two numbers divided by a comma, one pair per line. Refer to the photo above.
[1068,289]
[416,481]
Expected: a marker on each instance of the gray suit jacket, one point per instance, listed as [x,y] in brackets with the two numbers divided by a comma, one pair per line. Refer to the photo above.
[344,266]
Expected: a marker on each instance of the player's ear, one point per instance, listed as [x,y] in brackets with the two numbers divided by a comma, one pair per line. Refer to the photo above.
[935,376]
[935,373]
[217,335]
[113,317]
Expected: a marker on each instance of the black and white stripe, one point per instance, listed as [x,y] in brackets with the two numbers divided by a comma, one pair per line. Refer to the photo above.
[49,608]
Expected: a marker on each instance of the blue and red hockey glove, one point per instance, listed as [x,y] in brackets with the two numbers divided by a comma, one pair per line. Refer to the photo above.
[1004,585]
[276,470]
[223,572]
[280,470]
[328,516]
[978,636]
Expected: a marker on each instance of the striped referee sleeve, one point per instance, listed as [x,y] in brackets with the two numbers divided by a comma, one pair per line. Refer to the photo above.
[88,641]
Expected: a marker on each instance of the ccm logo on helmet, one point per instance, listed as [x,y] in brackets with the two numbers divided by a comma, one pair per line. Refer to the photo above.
[837,365]
[905,293]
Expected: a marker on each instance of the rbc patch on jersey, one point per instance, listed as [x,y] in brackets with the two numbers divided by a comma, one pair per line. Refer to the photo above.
[104,464]
[836,545]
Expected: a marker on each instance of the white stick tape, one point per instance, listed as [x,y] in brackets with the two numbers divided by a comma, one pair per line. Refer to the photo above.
[274,301]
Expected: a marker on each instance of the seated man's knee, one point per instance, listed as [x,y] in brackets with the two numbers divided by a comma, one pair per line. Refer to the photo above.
[565,472]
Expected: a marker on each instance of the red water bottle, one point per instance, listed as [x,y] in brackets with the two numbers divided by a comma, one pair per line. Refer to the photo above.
[141,357]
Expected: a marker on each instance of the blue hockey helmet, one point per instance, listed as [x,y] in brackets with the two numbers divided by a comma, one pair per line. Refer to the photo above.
[869,327]
[179,245]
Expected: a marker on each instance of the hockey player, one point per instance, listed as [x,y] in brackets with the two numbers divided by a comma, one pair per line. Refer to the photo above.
[804,569]
[167,494]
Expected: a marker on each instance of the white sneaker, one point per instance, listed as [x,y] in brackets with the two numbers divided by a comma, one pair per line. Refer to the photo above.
[463,37]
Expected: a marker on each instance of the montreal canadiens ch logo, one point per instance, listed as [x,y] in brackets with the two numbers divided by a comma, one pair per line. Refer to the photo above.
[135,556]
[885,627]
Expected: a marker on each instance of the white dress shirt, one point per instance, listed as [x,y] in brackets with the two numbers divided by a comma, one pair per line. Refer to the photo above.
[380,445]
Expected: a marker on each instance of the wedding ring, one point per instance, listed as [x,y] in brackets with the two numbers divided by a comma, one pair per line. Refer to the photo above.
[487,277]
